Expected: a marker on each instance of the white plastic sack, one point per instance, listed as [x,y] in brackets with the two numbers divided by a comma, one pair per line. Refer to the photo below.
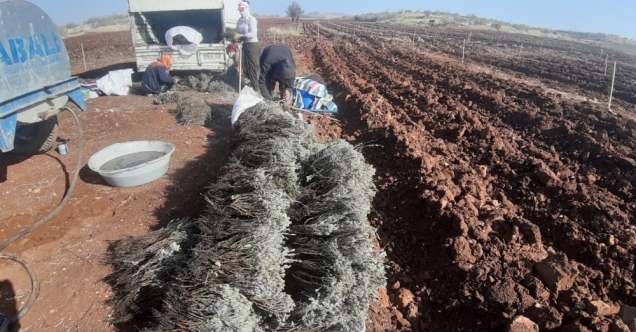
[116,83]
[246,99]
[189,34]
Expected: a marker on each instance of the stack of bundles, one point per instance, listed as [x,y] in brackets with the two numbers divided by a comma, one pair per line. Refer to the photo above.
[283,244]
[208,83]
[167,97]
[193,111]
[242,240]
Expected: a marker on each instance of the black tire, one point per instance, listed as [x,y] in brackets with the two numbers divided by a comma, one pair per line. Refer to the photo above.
[35,138]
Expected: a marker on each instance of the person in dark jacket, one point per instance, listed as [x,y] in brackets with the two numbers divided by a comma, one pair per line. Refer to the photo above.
[156,78]
[277,66]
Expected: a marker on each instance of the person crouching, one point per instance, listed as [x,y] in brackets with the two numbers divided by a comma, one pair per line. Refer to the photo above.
[277,66]
[156,78]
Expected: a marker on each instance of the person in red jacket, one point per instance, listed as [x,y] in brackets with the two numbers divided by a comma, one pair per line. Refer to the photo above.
[156,78]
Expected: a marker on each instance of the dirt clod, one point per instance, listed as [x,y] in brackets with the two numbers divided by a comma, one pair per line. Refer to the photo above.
[547,318]
[522,324]
[461,251]
[619,326]
[383,298]
[600,308]
[402,322]
[547,177]
[403,298]
[556,272]
[412,312]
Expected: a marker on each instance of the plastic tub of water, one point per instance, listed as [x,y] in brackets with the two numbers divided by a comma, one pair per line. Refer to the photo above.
[133,163]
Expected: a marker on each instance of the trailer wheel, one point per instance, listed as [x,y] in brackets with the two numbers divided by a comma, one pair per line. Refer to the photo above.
[35,138]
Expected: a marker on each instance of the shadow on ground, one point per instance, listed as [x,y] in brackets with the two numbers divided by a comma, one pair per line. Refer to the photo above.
[6,160]
[100,72]
[8,304]
[185,194]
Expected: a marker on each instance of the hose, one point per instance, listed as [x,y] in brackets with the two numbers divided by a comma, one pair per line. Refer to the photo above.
[34,283]
[35,290]
[46,219]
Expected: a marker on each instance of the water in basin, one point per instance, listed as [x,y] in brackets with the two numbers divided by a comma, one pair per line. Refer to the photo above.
[131,160]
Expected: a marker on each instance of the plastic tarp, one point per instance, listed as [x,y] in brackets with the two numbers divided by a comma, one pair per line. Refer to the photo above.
[312,87]
[116,83]
[312,95]
[191,35]
[246,99]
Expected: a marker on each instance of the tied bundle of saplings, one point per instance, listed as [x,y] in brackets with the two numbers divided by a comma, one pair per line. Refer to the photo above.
[221,85]
[283,245]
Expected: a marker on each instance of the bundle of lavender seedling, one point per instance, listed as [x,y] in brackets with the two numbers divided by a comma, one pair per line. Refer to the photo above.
[283,244]
[145,267]
[336,272]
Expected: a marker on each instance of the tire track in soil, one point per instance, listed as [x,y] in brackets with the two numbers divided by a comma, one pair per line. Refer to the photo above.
[475,251]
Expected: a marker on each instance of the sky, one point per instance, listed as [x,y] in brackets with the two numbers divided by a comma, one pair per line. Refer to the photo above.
[611,16]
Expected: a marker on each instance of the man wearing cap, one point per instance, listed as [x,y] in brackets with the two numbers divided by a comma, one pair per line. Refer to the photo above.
[247,33]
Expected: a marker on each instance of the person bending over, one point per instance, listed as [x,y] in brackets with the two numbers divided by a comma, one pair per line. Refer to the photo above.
[277,66]
[156,78]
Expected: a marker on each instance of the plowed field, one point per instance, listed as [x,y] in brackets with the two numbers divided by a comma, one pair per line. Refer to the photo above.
[498,196]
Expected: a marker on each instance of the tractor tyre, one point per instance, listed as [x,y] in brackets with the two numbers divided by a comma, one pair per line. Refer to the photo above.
[35,138]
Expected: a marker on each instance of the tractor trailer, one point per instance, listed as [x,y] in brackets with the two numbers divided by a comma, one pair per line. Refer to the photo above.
[151,19]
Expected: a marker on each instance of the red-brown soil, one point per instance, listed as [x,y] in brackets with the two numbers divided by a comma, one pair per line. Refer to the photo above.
[499,193]
[487,187]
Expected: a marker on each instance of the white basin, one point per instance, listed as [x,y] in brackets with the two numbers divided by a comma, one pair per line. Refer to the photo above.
[133,163]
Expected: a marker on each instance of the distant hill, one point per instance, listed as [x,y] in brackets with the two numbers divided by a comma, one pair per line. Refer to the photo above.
[471,21]
[325,15]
